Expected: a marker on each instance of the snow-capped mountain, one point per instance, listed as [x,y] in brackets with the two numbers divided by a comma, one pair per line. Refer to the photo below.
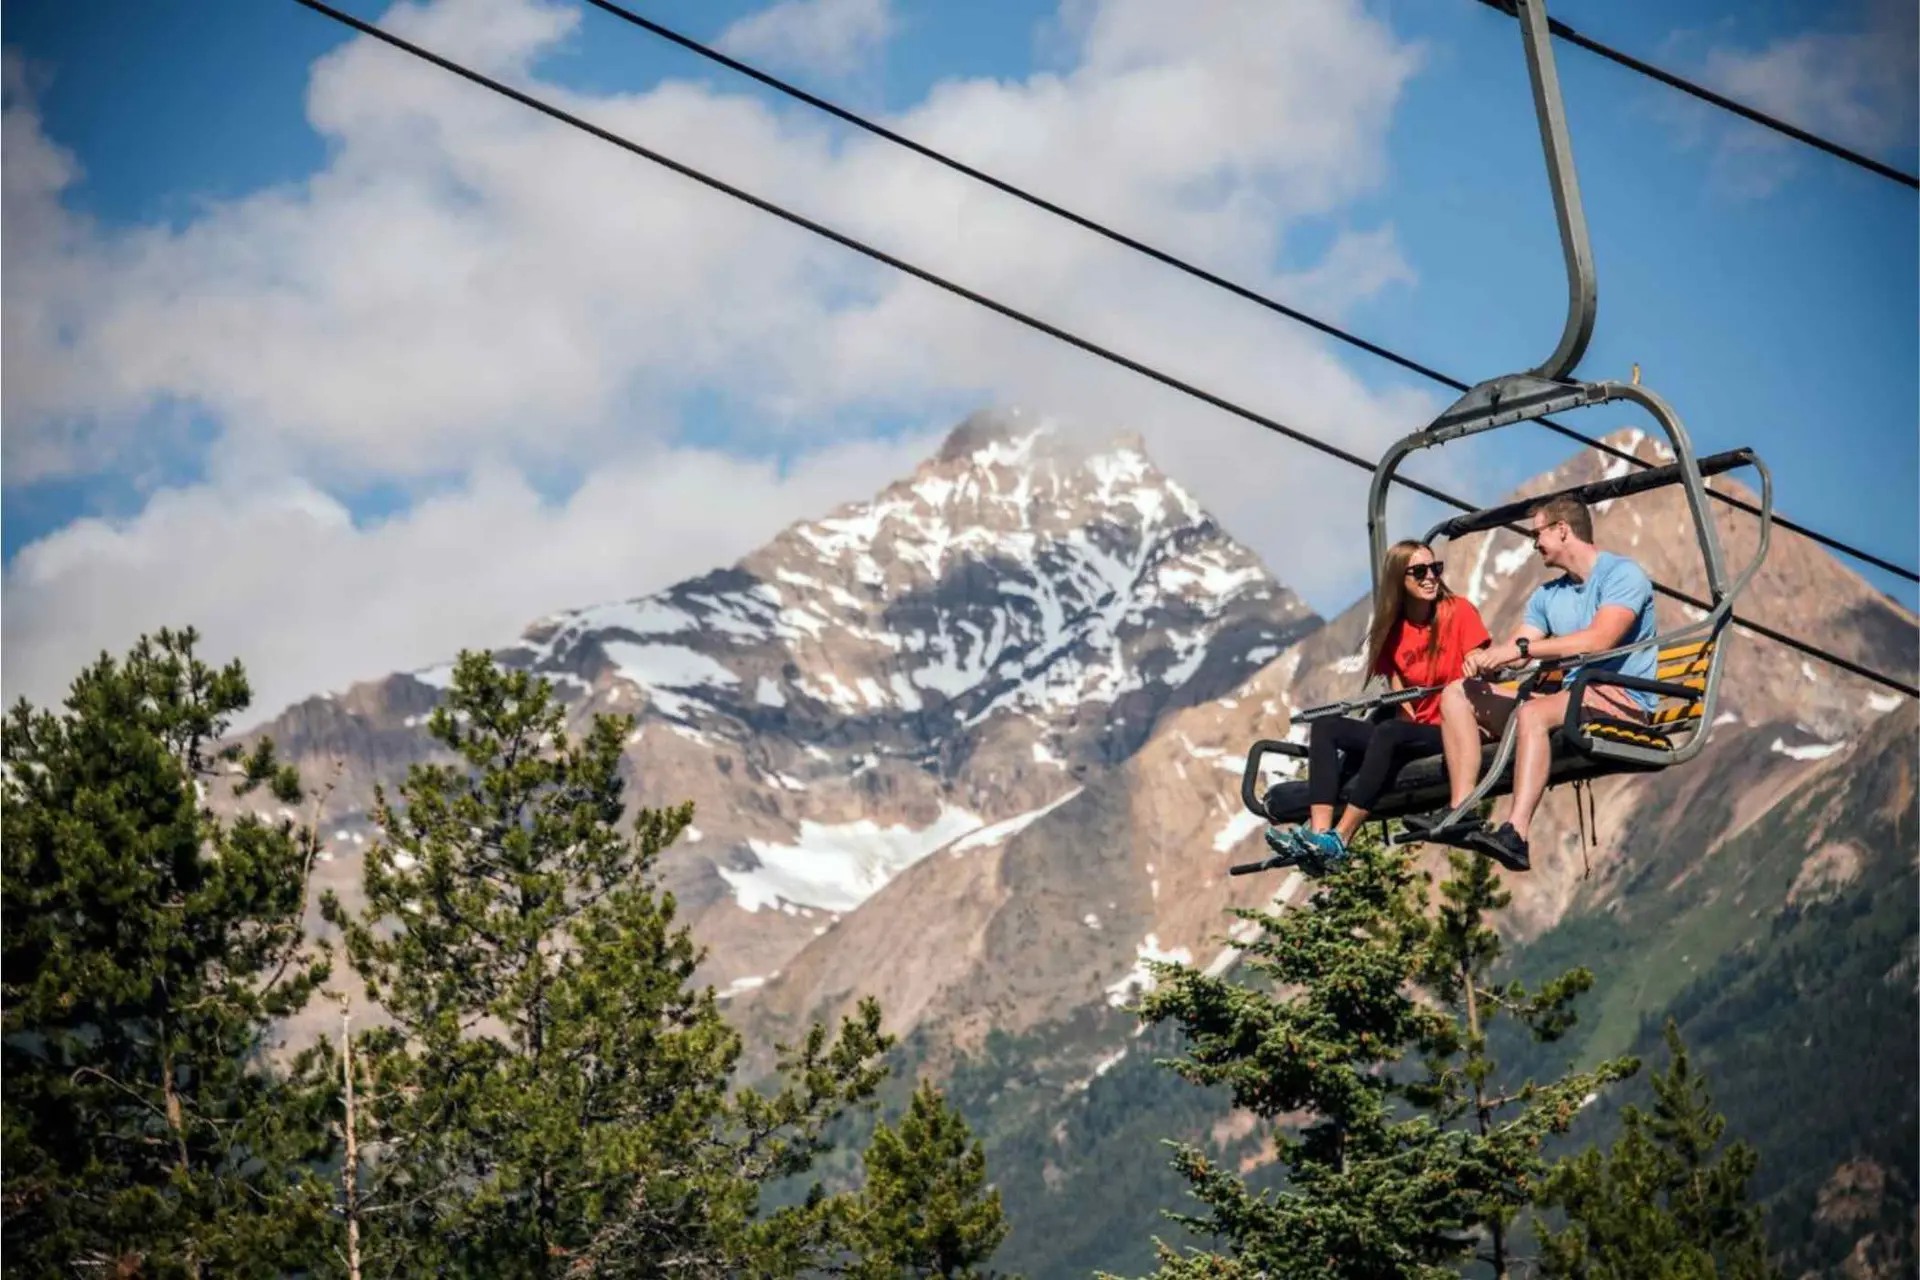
[974,744]
[930,669]
[1011,575]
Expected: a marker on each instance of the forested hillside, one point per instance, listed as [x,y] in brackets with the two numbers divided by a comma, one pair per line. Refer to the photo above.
[1786,955]
[1789,953]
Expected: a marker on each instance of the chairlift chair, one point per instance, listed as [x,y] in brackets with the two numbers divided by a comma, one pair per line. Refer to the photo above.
[1690,659]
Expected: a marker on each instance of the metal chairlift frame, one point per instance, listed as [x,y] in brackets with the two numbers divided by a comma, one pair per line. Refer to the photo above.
[1522,397]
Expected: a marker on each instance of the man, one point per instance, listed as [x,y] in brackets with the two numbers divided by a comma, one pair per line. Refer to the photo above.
[1600,601]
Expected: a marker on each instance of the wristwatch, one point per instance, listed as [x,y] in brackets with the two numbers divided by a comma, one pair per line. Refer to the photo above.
[1522,644]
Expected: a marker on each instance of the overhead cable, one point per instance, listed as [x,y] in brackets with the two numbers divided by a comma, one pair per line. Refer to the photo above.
[1201,273]
[1705,94]
[1053,331]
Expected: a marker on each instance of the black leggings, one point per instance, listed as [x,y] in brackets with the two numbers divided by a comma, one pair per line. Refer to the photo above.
[1341,746]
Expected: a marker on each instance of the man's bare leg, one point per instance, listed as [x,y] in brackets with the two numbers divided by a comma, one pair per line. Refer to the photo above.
[1320,816]
[1532,757]
[1350,821]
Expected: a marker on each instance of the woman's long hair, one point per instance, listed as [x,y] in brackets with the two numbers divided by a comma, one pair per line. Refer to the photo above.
[1391,604]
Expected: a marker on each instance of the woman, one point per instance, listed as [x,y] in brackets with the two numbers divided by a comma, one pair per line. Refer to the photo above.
[1420,637]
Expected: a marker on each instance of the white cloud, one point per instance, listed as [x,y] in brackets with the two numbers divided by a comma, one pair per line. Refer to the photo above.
[281,578]
[1857,87]
[465,279]
[463,268]
[833,37]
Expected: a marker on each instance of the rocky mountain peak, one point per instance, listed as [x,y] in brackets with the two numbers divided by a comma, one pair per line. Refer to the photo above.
[1016,569]
[981,431]
[993,437]
[1008,468]
[933,666]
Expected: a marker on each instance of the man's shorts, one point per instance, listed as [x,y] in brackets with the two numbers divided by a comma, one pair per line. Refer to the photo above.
[1599,700]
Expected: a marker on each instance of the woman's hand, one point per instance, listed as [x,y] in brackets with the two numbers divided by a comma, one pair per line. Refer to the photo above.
[1492,658]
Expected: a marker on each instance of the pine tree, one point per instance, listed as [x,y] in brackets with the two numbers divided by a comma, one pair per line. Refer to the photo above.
[1399,1169]
[1460,1086]
[1659,1203]
[148,949]
[552,1097]
[926,1208]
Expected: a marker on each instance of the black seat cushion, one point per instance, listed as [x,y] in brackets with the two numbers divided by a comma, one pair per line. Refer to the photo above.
[1421,785]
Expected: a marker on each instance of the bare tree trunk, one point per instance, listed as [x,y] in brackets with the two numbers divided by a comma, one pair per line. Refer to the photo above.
[1484,1115]
[351,1177]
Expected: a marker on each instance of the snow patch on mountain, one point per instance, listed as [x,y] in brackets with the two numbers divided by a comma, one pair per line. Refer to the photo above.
[1809,751]
[664,669]
[1241,825]
[1140,977]
[837,867]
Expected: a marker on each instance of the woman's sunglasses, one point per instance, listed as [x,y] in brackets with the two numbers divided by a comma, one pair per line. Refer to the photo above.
[1419,572]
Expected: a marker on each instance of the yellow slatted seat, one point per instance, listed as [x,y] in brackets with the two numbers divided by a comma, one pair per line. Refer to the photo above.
[1681,664]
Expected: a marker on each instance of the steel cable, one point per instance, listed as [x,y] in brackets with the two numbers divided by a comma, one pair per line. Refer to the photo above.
[1725,103]
[919,273]
[1160,255]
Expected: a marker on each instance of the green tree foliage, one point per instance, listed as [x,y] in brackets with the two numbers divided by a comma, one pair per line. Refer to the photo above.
[148,948]
[926,1208]
[1660,1203]
[551,1097]
[1370,1033]
[1462,950]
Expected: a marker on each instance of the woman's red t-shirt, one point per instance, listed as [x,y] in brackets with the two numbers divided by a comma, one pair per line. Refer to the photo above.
[1461,632]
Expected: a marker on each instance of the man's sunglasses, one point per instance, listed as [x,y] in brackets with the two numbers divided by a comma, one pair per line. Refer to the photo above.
[1535,535]
[1419,572]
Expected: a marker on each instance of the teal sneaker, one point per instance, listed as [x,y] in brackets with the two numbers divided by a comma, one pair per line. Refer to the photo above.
[1293,845]
[1326,848]
[1283,844]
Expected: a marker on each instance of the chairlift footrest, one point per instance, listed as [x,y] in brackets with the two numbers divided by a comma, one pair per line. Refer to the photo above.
[1278,862]
[1456,836]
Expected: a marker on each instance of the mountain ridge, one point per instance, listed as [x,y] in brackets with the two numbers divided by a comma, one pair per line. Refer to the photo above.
[942,662]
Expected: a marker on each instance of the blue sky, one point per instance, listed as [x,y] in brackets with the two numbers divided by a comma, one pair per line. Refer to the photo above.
[1768,291]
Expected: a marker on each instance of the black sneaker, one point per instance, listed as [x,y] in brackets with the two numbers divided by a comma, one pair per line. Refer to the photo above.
[1460,835]
[1504,846]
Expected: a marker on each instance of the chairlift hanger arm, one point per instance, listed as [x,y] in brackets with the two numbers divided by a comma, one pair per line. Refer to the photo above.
[1576,248]
[1481,410]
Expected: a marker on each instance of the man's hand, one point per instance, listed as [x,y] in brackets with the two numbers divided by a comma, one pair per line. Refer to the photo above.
[1492,658]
